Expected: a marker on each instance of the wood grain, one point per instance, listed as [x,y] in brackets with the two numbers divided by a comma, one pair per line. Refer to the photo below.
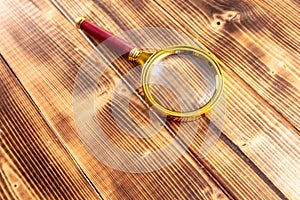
[34,165]
[247,160]
[256,40]
[49,57]
[259,125]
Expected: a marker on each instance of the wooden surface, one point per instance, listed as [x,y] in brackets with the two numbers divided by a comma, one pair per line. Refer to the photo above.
[257,155]
[34,164]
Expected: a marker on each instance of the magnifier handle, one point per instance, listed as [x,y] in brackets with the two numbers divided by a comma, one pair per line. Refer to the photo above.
[115,43]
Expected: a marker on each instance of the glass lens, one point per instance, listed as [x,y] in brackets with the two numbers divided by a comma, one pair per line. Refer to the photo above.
[182,81]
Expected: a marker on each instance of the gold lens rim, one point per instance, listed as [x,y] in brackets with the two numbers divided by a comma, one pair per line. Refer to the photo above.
[156,57]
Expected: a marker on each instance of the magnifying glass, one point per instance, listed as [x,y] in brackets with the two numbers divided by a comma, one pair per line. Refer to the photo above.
[181,82]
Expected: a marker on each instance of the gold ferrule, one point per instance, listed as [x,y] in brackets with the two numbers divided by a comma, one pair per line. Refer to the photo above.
[78,21]
[133,54]
[139,56]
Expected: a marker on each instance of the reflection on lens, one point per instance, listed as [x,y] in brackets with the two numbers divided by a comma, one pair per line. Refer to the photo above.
[182,81]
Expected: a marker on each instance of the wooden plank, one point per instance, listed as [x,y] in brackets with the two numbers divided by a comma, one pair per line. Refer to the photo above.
[46,55]
[256,40]
[252,133]
[34,165]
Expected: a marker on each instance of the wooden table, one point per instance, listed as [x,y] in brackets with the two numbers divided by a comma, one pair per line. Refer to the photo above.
[257,154]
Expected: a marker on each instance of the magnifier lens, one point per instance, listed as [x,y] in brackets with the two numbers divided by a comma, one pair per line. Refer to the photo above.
[182,81]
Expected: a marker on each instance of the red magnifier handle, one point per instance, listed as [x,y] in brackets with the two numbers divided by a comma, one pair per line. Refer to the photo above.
[111,41]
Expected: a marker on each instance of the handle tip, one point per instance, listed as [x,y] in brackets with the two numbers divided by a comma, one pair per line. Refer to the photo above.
[78,21]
